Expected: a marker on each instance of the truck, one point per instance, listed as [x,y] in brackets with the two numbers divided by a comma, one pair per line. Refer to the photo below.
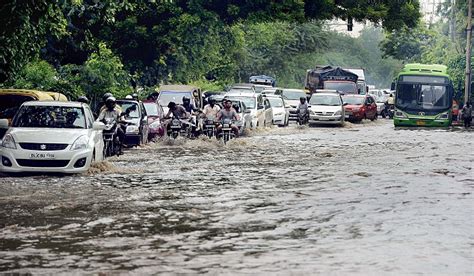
[331,78]
[362,86]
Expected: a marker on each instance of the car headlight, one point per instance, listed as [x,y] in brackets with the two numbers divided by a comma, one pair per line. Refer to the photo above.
[400,114]
[338,113]
[132,128]
[155,124]
[443,116]
[80,143]
[8,142]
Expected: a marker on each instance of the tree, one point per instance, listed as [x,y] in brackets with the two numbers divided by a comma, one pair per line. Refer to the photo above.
[23,32]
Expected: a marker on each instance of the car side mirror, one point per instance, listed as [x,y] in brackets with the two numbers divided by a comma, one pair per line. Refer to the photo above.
[392,86]
[344,104]
[4,123]
[98,126]
[259,106]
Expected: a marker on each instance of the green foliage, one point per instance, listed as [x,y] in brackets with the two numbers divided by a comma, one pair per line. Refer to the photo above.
[38,75]
[439,44]
[25,25]
[102,72]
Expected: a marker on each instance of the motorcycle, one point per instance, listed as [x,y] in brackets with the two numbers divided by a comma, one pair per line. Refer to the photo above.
[112,145]
[176,127]
[303,118]
[388,111]
[209,128]
[226,132]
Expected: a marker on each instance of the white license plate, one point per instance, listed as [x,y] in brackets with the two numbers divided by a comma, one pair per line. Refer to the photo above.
[226,129]
[41,155]
[175,127]
[323,119]
[210,126]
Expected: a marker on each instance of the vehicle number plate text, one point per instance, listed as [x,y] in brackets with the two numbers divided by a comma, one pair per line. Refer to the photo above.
[42,156]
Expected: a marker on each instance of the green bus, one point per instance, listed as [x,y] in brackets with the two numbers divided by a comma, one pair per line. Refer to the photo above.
[423,96]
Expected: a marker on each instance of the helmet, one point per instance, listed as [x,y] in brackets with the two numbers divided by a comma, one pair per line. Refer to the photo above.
[128,97]
[83,99]
[110,102]
[186,99]
[106,95]
[172,105]
[135,96]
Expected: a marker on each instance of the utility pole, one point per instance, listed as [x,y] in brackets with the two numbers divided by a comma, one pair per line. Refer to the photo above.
[452,23]
[467,84]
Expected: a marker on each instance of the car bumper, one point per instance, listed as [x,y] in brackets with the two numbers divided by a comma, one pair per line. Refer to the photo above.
[132,139]
[64,161]
[293,114]
[354,116]
[330,120]
[279,119]
[421,122]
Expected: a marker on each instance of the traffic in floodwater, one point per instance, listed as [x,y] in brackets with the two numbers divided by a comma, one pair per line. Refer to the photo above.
[366,198]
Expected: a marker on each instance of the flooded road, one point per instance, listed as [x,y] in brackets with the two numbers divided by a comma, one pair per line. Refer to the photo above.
[361,199]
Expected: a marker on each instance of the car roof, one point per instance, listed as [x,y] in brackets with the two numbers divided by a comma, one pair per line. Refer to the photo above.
[326,91]
[127,100]
[326,94]
[53,103]
[355,95]
[177,88]
[292,90]
[239,94]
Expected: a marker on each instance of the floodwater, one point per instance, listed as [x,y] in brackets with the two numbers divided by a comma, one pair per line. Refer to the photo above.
[363,199]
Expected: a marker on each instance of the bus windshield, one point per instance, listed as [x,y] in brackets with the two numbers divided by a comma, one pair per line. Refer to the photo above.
[423,97]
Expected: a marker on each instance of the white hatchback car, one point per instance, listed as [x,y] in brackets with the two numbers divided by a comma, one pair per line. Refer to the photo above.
[326,108]
[51,137]
[257,107]
[281,115]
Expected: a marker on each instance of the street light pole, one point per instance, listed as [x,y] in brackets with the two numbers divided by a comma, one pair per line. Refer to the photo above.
[467,84]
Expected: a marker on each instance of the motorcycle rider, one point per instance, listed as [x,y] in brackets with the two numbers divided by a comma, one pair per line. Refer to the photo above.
[191,109]
[228,113]
[83,99]
[466,114]
[178,112]
[211,109]
[112,111]
[303,109]
[389,104]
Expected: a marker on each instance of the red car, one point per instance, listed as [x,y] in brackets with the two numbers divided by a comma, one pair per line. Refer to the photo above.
[358,107]
[155,116]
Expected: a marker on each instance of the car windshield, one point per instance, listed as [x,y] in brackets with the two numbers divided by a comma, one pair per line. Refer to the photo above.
[293,94]
[130,108]
[151,109]
[259,89]
[344,87]
[275,102]
[325,100]
[418,96]
[50,117]
[354,100]
[248,101]
[166,97]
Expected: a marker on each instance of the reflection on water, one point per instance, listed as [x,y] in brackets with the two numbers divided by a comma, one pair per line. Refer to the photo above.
[364,198]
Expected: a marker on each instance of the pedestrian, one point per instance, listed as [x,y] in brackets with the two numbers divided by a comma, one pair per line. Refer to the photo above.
[467,114]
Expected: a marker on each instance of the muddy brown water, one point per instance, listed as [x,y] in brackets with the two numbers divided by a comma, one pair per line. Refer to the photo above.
[363,199]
